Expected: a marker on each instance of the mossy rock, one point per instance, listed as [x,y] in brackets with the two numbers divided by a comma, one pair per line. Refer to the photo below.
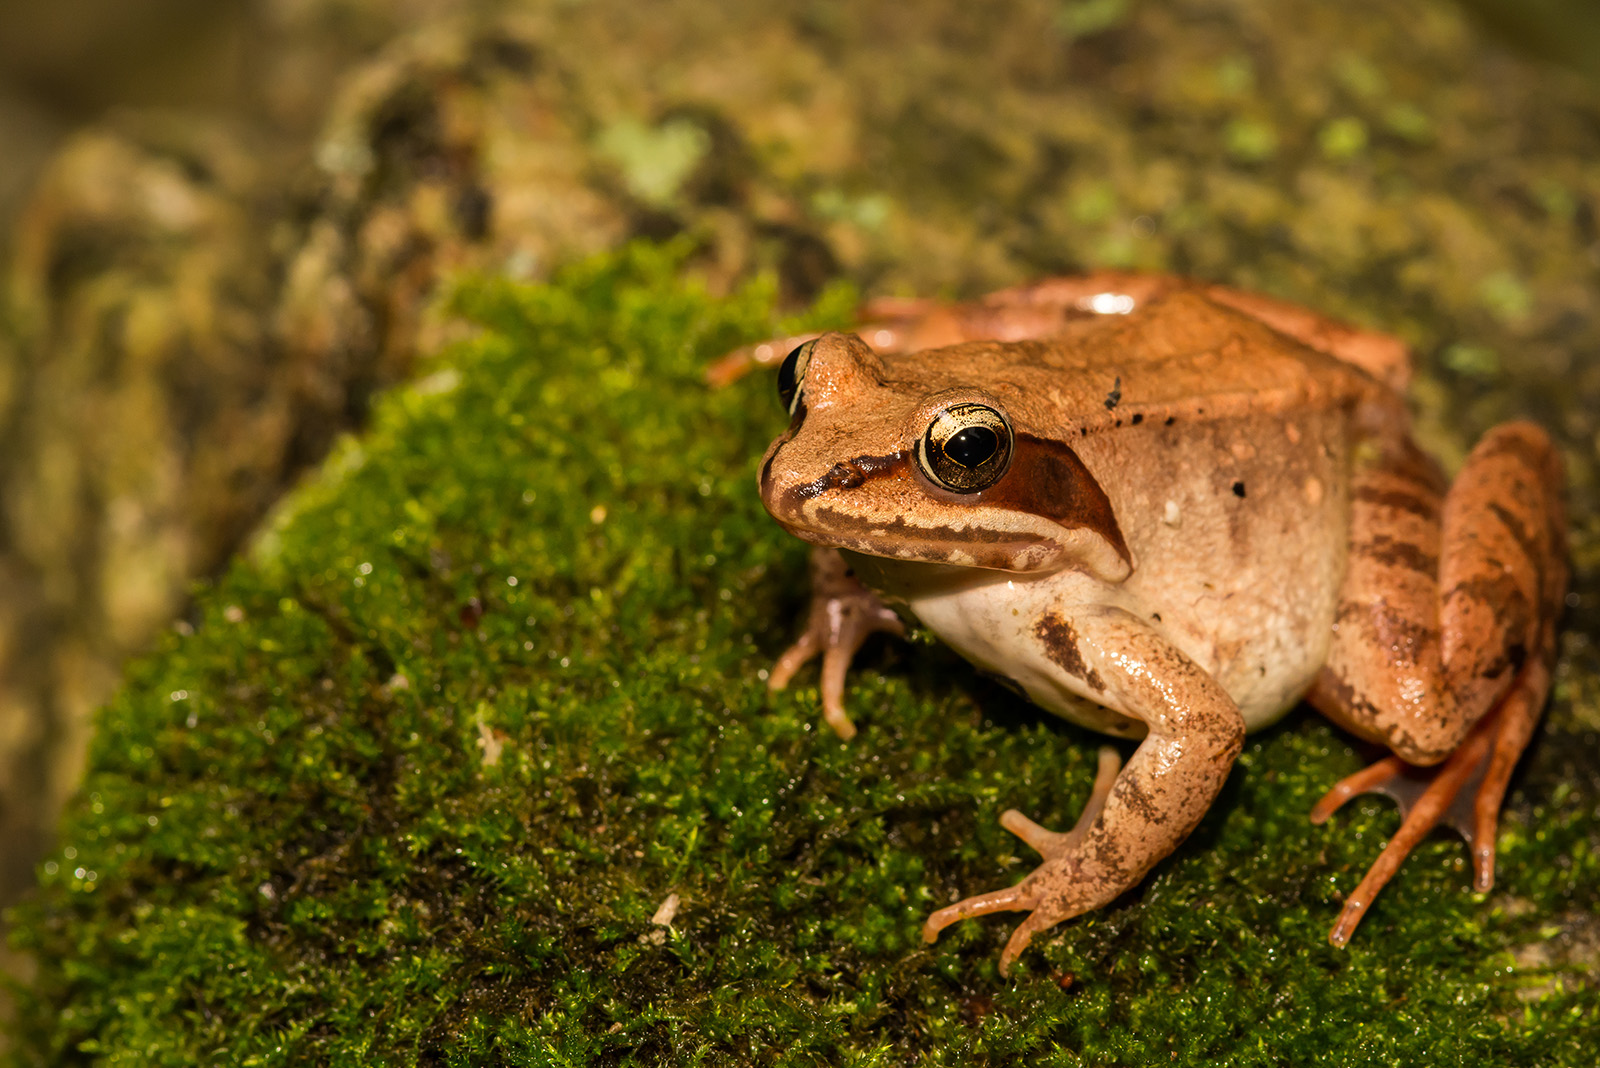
[430,759]
[190,318]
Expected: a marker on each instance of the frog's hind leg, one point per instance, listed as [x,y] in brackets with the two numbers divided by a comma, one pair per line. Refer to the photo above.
[1445,638]
[1464,793]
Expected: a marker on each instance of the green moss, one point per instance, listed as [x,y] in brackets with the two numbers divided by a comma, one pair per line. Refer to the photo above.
[293,846]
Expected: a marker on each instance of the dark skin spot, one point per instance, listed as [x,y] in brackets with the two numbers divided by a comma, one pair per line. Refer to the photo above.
[1333,696]
[1137,419]
[1061,645]
[1498,590]
[1396,553]
[1513,613]
[1511,658]
[1137,801]
[1405,639]
[1238,489]
[1519,533]
[1424,507]
[1417,467]
[766,471]
[846,474]
[1114,398]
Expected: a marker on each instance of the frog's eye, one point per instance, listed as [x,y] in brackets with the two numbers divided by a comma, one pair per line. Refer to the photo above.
[793,372]
[966,448]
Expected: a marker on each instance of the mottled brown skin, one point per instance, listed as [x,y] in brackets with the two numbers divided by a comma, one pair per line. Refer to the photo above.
[1212,509]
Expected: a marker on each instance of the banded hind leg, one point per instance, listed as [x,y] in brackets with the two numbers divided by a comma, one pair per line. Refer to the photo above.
[1445,637]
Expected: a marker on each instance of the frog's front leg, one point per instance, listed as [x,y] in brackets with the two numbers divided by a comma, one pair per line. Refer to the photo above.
[1195,732]
[843,615]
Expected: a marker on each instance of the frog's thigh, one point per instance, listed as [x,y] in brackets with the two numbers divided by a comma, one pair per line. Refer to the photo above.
[1195,733]
[1447,595]
[1381,356]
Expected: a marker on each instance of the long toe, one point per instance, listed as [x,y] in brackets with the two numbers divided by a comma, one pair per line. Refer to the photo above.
[1007,900]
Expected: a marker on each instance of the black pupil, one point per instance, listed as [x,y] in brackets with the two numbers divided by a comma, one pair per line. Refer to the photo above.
[972,445]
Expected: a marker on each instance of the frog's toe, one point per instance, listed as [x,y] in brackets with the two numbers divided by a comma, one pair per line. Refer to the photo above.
[1052,844]
[1010,899]
[1049,893]
[843,615]
[1464,792]
[793,659]
[850,627]
[1024,933]
[1427,796]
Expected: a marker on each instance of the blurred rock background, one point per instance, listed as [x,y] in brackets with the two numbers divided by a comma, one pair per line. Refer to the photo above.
[151,154]
[221,222]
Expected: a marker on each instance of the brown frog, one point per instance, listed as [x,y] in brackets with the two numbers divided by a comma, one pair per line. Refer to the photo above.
[1168,511]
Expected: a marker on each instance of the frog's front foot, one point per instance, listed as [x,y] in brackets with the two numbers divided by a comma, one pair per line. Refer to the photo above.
[1056,890]
[843,615]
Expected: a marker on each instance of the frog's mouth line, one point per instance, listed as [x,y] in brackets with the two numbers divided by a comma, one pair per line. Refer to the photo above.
[898,539]
[1019,542]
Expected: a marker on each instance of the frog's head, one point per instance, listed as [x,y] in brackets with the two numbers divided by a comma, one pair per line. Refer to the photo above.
[915,458]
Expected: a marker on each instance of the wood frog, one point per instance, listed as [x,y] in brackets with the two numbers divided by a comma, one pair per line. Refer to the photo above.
[1168,511]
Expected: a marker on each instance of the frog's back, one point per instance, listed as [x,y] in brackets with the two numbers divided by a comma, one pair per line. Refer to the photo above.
[1223,448]
[1183,358]
[1226,460]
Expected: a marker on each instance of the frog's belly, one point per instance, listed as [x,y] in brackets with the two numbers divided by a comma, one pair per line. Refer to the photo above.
[1265,654]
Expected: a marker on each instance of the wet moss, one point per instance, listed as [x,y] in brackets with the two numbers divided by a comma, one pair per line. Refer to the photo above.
[489,691]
